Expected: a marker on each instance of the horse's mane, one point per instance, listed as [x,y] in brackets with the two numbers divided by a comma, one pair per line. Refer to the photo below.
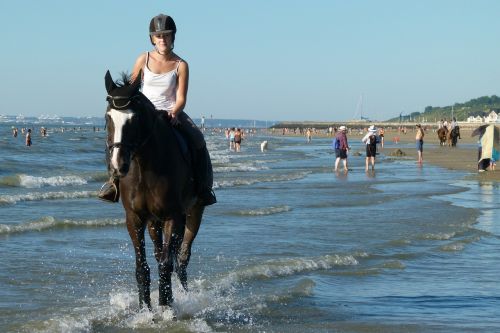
[124,80]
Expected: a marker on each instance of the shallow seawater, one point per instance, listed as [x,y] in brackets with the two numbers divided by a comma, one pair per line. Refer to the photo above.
[290,245]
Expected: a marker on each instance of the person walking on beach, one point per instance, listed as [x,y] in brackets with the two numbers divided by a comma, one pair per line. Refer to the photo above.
[370,140]
[342,150]
[419,138]
[165,78]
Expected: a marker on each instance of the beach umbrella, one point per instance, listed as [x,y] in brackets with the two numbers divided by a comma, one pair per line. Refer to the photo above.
[490,143]
[479,131]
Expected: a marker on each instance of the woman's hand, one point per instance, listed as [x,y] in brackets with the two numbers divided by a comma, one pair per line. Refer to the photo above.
[173,119]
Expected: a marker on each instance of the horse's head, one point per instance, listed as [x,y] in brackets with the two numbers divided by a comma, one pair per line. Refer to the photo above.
[126,119]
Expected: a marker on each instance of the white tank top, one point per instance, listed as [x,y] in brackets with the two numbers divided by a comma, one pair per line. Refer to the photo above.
[160,89]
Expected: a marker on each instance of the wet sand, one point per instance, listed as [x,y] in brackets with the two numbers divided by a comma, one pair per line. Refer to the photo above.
[453,158]
[463,157]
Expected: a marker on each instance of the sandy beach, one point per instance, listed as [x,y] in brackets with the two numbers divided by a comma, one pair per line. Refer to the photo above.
[454,158]
[463,157]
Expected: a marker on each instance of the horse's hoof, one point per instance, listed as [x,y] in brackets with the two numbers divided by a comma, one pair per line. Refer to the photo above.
[166,313]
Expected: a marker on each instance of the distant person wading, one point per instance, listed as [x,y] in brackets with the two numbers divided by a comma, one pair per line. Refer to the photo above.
[341,149]
[419,138]
[371,139]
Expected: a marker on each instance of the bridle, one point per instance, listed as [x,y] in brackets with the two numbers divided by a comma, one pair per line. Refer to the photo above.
[112,100]
[132,148]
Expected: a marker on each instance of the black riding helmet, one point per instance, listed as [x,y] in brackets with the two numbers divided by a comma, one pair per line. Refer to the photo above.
[161,24]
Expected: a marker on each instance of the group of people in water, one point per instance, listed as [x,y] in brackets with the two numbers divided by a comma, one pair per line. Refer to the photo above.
[234,136]
[27,132]
[373,137]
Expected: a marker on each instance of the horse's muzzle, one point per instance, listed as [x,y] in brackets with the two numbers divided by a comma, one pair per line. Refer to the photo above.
[122,170]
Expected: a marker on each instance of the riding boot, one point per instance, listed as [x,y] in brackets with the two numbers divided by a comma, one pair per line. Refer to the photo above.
[203,177]
[110,191]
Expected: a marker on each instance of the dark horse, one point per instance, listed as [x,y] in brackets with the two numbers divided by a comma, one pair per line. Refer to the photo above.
[156,186]
[454,136]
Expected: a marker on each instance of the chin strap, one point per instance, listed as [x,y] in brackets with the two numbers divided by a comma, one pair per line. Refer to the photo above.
[171,48]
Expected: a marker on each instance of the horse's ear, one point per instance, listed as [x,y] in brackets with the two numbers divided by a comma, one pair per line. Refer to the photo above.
[110,84]
[136,85]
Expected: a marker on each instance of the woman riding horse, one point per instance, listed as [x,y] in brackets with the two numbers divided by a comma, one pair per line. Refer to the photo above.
[165,79]
[156,186]
[163,187]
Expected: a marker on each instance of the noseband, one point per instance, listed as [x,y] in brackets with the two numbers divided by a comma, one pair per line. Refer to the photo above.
[113,99]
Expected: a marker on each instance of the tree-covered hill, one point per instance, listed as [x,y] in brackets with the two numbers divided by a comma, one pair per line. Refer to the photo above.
[481,106]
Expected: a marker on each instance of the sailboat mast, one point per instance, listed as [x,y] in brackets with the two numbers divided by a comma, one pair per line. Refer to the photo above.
[361,107]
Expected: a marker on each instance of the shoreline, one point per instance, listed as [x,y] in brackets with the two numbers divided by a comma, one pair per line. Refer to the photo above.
[463,157]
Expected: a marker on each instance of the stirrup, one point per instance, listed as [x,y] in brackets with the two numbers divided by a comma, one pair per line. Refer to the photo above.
[110,194]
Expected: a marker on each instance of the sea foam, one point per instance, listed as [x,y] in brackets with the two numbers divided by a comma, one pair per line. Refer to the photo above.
[264,211]
[49,222]
[36,182]
[23,180]
[38,196]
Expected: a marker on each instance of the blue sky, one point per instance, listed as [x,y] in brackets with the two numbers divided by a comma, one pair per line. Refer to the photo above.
[260,59]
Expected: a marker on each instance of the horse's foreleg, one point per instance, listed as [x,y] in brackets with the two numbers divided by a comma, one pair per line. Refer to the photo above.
[165,264]
[177,238]
[193,222]
[155,232]
[136,231]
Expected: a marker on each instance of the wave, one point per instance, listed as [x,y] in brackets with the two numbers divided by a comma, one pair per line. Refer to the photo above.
[271,178]
[198,311]
[288,266]
[303,288]
[23,180]
[460,244]
[37,196]
[49,222]
[239,167]
[437,236]
[209,304]
[264,211]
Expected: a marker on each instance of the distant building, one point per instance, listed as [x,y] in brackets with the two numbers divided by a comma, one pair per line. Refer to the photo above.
[476,119]
[492,117]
